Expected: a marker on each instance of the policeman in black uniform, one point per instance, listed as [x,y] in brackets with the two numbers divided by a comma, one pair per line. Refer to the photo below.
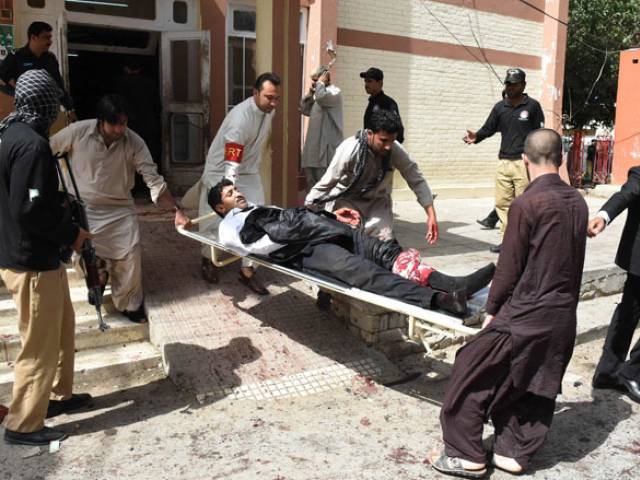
[35,55]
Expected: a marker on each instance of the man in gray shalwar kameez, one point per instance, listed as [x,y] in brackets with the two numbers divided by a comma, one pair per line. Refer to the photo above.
[323,105]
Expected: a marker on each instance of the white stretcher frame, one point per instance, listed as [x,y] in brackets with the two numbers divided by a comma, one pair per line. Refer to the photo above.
[418,318]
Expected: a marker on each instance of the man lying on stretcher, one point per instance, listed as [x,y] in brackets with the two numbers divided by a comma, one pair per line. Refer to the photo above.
[330,245]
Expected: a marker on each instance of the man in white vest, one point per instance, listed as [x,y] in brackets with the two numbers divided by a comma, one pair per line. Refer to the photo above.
[236,154]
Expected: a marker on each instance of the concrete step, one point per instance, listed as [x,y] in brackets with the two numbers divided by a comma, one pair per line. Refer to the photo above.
[8,312]
[98,366]
[594,317]
[88,335]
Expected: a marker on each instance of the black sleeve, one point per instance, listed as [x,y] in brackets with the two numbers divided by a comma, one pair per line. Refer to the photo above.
[490,126]
[53,67]
[400,136]
[8,68]
[538,118]
[34,202]
[621,200]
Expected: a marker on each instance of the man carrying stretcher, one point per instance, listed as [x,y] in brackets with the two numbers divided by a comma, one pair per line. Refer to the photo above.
[327,244]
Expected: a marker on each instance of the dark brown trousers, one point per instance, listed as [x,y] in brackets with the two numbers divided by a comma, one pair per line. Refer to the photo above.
[481,388]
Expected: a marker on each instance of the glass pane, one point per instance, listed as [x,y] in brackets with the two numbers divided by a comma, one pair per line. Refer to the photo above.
[242,68]
[244,20]
[186,71]
[36,3]
[180,12]
[186,138]
[249,64]
[121,8]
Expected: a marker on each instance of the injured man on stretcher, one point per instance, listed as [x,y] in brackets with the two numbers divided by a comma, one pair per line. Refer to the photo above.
[331,245]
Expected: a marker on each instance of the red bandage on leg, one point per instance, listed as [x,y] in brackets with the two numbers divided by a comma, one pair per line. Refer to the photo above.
[408,266]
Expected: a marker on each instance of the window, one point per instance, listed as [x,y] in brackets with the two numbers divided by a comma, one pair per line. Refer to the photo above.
[241,54]
[144,9]
[186,138]
[186,71]
[180,12]
[36,3]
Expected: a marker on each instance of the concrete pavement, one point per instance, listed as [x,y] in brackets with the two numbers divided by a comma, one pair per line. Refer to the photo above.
[272,388]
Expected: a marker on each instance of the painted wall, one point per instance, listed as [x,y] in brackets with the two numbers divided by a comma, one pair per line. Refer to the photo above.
[439,86]
[626,150]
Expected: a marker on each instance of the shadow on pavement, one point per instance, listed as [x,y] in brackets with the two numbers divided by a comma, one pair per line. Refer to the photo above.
[579,428]
[136,404]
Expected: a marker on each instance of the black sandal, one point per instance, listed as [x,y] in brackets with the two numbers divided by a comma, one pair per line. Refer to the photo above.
[453,466]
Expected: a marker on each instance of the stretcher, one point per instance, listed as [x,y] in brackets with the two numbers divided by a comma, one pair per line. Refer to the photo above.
[419,319]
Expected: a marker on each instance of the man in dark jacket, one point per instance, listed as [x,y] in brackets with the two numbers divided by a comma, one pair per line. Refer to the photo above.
[35,55]
[514,117]
[613,370]
[34,227]
[512,371]
[378,100]
[326,244]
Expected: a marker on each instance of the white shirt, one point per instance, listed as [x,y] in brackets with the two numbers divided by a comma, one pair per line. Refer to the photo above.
[237,147]
[229,235]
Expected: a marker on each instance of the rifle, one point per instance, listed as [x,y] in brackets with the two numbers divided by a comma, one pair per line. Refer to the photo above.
[89,259]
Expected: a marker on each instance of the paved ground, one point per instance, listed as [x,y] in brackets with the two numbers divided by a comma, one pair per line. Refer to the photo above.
[272,388]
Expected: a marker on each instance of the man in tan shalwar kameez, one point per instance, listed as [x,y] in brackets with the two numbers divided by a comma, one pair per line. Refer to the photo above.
[105,156]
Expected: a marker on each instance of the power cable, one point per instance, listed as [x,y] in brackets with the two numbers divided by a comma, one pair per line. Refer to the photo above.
[566,24]
[469,51]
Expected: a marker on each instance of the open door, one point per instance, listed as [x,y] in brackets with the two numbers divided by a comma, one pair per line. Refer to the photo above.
[184,59]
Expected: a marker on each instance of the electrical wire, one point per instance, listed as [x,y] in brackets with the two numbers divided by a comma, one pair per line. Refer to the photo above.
[566,24]
[469,51]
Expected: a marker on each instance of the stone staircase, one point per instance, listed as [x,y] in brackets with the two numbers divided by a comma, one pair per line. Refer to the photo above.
[115,356]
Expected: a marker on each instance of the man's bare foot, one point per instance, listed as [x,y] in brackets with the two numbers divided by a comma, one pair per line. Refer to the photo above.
[507,464]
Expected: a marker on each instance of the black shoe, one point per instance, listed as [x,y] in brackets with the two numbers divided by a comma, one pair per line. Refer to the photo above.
[44,436]
[471,283]
[452,302]
[209,271]
[253,283]
[495,248]
[488,223]
[77,401]
[603,381]
[633,388]
[323,301]
[136,316]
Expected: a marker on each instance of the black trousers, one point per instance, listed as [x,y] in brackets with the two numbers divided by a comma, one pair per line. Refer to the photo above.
[623,324]
[481,388]
[366,264]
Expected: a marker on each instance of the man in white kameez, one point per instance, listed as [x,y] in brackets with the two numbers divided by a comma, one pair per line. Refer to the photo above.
[360,177]
[323,105]
[236,154]
[105,155]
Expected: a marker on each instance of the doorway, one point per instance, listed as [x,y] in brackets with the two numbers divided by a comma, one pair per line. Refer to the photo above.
[104,61]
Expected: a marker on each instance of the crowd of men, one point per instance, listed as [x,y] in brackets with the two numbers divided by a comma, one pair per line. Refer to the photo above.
[510,372]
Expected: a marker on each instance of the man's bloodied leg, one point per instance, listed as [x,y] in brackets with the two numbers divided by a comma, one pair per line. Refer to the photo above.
[336,262]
